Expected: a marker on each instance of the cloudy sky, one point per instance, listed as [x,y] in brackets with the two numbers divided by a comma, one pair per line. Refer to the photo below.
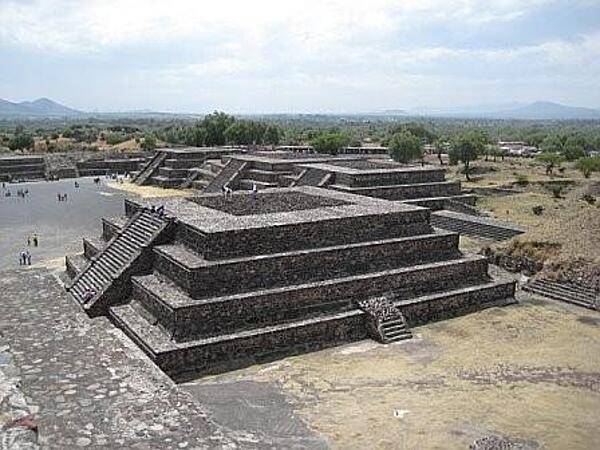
[299,56]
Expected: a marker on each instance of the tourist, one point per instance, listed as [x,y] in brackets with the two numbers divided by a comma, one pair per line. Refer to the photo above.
[28,241]
[22,258]
[254,190]
[35,240]
[76,185]
[28,257]
[88,295]
[160,210]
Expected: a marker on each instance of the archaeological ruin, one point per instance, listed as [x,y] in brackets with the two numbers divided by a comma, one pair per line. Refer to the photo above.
[329,250]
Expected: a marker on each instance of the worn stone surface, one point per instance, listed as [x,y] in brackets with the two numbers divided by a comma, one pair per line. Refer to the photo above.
[88,386]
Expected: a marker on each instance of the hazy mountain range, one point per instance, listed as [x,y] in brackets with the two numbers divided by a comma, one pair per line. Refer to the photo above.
[46,108]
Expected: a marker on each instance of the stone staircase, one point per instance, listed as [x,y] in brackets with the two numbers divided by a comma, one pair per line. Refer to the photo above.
[229,173]
[106,278]
[310,177]
[386,322]
[567,292]
[392,330]
[193,176]
[474,226]
[149,169]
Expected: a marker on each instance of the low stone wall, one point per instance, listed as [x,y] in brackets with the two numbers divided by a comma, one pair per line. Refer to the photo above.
[470,300]
[245,350]
[385,178]
[408,191]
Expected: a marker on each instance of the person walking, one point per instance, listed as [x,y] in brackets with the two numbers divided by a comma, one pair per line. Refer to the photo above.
[22,258]
[28,257]
[35,240]
[28,241]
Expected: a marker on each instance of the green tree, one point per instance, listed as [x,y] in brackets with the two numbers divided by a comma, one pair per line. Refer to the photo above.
[405,147]
[551,160]
[272,135]
[149,142]
[21,141]
[573,148]
[215,125]
[238,133]
[588,164]
[330,142]
[466,147]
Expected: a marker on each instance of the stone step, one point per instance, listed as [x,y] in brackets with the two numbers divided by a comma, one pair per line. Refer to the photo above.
[227,351]
[181,312]
[277,269]
[563,295]
[404,191]
[439,203]
[231,351]
[568,288]
[477,226]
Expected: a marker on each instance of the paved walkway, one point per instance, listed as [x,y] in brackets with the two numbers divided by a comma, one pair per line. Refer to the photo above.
[87,386]
[82,383]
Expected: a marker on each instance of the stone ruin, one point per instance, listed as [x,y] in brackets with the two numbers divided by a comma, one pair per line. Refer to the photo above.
[216,283]
[22,168]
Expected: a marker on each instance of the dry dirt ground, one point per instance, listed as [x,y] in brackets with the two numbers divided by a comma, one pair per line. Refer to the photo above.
[528,372]
[148,191]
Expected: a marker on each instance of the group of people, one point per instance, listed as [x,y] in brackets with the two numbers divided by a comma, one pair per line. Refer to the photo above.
[62,197]
[32,240]
[25,255]
[160,210]
[20,192]
[25,258]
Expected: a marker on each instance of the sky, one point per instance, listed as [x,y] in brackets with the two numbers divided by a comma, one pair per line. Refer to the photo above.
[310,56]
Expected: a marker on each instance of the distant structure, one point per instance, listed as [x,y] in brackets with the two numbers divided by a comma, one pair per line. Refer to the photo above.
[22,168]
[517,148]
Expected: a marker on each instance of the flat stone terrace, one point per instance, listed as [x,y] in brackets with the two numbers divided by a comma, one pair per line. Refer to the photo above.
[343,218]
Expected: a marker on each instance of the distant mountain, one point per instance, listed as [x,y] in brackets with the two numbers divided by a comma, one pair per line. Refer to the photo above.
[548,111]
[42,107]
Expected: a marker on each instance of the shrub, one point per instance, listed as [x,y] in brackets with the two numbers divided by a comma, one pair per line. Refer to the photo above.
[557,190]
[522,180]
[588,165]
[538,210]
[588,198]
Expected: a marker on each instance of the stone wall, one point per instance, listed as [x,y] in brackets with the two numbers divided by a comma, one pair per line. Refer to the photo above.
[247,349]
[386,178]
[262,308]
[304,266]
[339,231]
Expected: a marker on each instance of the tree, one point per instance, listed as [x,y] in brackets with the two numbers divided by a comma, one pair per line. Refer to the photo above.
[215,125]
[238,133]
[330,142]
[195,136]
[573,149]
[272,135]
[588,164]
[405,147]
[21,141]
[551,160]
[466,147]
[149,142]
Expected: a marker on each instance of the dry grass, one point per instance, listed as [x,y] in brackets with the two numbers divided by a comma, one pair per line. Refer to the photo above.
[505,173]
[149,191]
[529,372]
